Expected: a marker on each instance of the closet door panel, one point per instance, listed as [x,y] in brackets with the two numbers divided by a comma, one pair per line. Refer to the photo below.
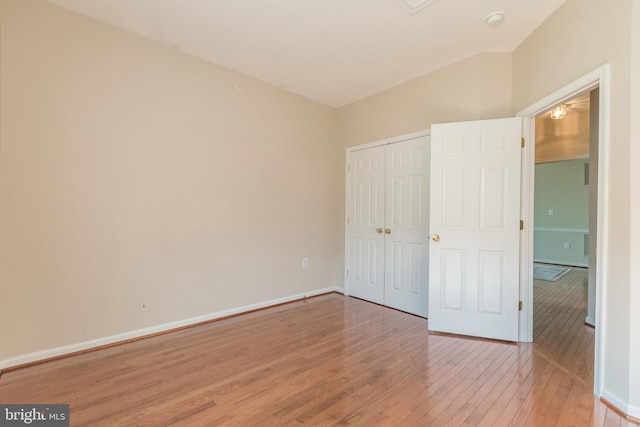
[406,231]
[387,225]
[366,198]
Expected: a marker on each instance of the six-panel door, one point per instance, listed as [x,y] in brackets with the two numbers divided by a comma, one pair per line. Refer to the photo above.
[365,276]
[388,217]
[407,221]
[475,219]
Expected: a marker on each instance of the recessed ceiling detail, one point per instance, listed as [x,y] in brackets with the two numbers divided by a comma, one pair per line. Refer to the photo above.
[414,6]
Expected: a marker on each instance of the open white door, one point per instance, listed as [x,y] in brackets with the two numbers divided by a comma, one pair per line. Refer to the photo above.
[475,228]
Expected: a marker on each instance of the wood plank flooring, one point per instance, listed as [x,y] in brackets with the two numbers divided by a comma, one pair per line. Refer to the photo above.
[560,309]
[331,360]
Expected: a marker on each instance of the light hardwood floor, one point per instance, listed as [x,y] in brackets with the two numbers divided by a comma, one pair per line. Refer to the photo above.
[560,335]
[330,360]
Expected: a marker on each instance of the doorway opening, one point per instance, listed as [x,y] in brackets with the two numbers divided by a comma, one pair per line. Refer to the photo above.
[564,234]
[597,79]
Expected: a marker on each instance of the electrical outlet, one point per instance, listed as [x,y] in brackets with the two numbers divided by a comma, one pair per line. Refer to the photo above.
[550,212]
[305,262]
[567,245]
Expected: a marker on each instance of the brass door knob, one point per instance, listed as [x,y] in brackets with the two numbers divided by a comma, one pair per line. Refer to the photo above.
[379,230]
[435,237]
[387,231]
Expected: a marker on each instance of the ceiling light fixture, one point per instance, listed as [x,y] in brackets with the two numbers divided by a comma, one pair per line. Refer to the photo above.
[560,112]
[494,18]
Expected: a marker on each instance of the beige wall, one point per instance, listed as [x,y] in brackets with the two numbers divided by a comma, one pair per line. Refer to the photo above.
[472,89]
[576,39]
[634,235]
[139,187]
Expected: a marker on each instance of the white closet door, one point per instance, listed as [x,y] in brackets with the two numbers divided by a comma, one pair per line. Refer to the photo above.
[387,225]
[366,195]
[475,218]
[406,226]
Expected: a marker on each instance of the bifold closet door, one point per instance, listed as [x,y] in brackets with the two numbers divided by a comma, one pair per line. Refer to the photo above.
[406,227]
[387,225]
[365,222]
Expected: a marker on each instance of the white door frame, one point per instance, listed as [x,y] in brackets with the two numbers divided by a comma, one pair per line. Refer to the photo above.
[349,150]
[598,78]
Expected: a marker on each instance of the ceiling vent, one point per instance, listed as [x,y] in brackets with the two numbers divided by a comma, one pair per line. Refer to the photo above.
[414,6]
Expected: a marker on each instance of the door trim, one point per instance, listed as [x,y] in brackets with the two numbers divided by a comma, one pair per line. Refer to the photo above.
[599,78]
[387,141]
[349,150]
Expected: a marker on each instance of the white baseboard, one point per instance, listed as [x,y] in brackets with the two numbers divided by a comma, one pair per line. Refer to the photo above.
[629,410]
[555,261]
[590,321]
[73,348]
[634,411]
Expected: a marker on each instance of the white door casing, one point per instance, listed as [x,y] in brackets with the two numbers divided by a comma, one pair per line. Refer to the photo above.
[598,78]
[474,222]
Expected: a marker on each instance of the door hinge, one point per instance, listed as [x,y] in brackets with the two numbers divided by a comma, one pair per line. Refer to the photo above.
[522,142]
[519,305]
[347,273]
[521,225]
[348,220]
[349,167]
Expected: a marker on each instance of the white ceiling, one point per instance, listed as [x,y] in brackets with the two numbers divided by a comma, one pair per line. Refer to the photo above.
[332,51]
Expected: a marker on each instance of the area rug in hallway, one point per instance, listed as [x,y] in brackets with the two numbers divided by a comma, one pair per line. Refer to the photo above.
[549,272]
